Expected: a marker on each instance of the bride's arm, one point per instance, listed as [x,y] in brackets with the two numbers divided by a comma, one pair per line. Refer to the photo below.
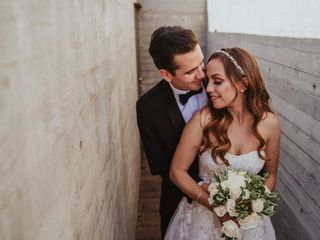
[272,150]
[185,154]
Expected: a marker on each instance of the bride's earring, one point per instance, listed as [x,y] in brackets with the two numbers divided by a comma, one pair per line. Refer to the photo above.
[242,90]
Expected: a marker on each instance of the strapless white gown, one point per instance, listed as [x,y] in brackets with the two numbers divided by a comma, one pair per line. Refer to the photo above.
[196,222]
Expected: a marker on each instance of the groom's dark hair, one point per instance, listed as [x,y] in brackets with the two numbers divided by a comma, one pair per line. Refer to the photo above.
[169,41]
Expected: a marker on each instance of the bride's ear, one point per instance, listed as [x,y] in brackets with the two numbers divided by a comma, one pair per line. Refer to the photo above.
[242,85]
[166,75]
[245,81]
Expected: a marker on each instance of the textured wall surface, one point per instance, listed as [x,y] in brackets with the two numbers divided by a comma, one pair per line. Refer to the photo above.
[186,13]
[291,68]
[69,146]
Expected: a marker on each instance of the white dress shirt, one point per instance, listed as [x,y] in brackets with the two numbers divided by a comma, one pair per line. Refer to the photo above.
[195,103]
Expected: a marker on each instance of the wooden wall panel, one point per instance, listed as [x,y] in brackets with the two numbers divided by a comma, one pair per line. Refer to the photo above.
[291,68]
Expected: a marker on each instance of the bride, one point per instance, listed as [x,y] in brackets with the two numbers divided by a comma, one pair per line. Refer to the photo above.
[236,129]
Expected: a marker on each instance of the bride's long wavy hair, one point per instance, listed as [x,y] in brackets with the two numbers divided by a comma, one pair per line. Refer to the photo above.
[256,100]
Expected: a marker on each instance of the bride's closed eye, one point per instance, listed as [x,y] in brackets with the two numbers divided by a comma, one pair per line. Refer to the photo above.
[217,81]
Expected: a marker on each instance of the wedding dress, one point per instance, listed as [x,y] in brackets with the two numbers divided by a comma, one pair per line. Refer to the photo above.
[196,222]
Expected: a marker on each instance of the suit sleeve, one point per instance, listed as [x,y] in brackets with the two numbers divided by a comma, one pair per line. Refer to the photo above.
[155,150]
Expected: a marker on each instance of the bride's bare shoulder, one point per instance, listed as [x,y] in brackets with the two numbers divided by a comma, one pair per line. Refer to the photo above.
[270,119]
[270,123]
[205,116]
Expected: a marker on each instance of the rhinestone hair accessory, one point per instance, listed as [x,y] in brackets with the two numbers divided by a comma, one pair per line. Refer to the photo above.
[232,60]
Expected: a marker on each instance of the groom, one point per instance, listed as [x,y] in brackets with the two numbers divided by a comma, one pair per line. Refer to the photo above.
[164,110]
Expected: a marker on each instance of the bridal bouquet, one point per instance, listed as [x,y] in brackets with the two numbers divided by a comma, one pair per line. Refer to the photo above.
[243,196]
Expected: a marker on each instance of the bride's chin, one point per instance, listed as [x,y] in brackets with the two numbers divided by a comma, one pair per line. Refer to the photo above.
[215,106]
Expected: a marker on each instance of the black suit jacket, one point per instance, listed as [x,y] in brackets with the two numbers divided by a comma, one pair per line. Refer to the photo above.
[161,124]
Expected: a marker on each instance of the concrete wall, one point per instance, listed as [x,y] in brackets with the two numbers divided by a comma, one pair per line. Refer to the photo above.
[291,68]
[153,14]
[69,146]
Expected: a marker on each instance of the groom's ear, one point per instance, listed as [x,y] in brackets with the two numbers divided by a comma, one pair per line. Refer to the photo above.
[165,74]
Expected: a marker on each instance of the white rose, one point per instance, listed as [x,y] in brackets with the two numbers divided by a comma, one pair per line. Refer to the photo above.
[271,208]
[210,201]
[220,211]
[246,194]
[225,184]
[236,181]
[257,205]
[231,208]
[230,229]
[235,193]
[250,221]
[212,189]
[242,173]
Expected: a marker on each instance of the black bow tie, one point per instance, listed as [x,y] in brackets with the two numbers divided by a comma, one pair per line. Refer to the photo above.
[185,97]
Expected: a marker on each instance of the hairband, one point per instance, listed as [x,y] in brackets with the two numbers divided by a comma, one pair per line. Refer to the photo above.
[232,60]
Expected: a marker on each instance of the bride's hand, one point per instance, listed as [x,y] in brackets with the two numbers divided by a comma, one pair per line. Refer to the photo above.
[205,186]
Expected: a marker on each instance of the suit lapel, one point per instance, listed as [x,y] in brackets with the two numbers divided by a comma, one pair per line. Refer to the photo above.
[173,109]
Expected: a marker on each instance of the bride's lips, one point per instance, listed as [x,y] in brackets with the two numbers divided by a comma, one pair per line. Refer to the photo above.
[213,98]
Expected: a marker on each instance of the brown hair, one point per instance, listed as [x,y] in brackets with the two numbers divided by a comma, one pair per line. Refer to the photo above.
[256,100]
[169,41]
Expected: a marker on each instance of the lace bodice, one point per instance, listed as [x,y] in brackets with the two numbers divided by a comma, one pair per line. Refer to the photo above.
[250,162]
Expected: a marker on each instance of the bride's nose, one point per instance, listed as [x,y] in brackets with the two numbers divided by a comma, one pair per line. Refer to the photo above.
[210,87]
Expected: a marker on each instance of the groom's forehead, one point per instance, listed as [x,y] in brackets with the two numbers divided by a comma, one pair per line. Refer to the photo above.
[188,61]
[188,66]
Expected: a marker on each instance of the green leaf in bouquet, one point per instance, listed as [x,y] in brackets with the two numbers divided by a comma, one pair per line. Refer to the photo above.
[243,202]
[270,203]
[224,191]
[257,178]
[221,194]
[248,207]
[223,176]
[273,197]
[268,212]
[222,198]
[219,188]
[244,206]
[261,189]
[243,214]
[219,198]
[216,178]
[225,237]
[253,195]
[265,175]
